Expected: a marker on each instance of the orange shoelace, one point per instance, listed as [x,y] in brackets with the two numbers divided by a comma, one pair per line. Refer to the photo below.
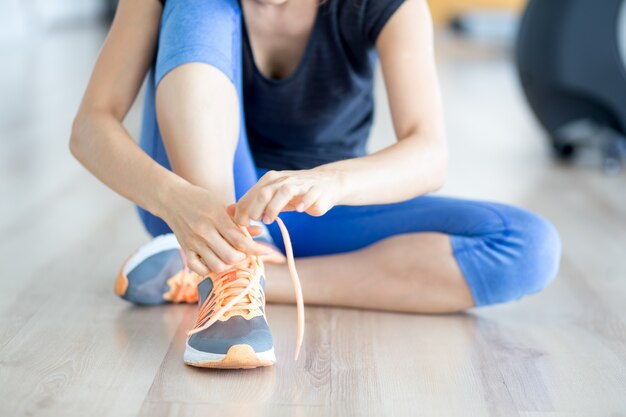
[238,290]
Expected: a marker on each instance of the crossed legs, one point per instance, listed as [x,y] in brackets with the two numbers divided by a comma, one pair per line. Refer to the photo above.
[428,255]
[198,117]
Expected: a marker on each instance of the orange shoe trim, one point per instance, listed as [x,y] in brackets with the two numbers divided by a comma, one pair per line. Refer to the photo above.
[237,357]
[121,283]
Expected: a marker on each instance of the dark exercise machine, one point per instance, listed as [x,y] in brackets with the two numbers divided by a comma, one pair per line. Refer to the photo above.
[571,57]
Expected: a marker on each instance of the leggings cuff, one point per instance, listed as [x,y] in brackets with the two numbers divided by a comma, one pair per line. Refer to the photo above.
[462,250]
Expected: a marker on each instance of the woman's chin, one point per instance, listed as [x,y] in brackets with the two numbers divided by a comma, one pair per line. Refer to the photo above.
[272,2]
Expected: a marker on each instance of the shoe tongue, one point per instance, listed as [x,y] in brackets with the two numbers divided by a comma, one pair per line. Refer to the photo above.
[204,288]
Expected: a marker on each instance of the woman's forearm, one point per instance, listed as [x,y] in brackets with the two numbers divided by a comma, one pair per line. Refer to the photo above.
[102,144]
[406,169]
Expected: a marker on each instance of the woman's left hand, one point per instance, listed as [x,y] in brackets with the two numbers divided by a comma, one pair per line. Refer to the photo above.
[312,191]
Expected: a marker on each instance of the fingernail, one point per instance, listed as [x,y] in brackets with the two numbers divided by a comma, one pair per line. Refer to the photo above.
[266,220]
[300,207]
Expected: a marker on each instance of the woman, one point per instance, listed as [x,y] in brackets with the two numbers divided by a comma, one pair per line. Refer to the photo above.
[269,103]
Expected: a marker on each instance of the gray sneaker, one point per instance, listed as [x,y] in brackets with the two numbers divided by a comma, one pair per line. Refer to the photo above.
[156,274]
[231,330]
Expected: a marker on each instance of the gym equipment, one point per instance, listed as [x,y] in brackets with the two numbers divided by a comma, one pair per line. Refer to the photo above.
[446,11]
[571,57]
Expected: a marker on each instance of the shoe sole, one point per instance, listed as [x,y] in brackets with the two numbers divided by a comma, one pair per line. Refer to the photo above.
[237,357]
[121,284]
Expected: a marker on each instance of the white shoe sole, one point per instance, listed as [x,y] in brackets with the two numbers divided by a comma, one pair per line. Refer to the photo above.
[237,357]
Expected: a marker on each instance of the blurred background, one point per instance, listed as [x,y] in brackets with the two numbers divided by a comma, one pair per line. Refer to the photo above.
[535,109]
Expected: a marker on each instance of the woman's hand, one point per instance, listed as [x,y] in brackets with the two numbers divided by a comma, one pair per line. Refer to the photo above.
[314,191]
[206,231]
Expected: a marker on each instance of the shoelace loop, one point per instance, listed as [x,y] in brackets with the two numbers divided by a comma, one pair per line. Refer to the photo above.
[237,289]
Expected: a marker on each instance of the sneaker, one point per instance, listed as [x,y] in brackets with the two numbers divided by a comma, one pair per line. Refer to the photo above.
[156,274]
[231,330]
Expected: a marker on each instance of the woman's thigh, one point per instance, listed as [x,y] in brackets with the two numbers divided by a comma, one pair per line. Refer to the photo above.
[349,228]
[202,32]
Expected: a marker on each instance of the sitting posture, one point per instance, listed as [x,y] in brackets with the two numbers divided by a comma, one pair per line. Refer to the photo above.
[255,108]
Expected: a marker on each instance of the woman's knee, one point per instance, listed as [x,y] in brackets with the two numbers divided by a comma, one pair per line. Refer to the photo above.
[200,31]
[543,251]
[530,253]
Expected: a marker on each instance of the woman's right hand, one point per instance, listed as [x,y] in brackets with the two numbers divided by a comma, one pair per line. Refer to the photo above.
[209,237]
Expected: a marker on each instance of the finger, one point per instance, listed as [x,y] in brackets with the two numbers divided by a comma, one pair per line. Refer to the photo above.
[241,216]
[238,215]
[231,209]
[275,257]
[241,242]
[224,250]
[271,176]
[319,208]
[281,199]
[255,230]
[251,205]
[195,264]
[259,203]
[210,259]
[309,199]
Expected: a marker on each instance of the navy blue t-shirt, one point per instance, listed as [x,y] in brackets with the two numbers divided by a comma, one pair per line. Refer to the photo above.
[323,111]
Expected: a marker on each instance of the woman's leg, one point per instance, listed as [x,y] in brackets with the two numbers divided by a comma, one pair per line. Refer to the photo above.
[195,88]
[427,255]
[383,276]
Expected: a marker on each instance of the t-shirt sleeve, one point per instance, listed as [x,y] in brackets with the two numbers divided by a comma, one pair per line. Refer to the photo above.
[376,13]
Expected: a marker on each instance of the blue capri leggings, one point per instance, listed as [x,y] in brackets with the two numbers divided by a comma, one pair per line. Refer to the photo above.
[504,252]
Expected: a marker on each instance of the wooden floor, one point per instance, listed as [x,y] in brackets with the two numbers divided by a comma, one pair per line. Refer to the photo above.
[69,347]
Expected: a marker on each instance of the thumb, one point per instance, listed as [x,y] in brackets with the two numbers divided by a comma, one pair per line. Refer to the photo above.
[253,230]
[231,209]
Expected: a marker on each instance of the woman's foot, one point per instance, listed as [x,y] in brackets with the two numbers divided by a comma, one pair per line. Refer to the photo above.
[231,330]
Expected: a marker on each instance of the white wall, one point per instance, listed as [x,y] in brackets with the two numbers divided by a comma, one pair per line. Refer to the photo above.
[21,18]
[12,21]
[52,12]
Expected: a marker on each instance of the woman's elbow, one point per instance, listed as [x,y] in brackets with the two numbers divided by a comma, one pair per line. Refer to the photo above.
[440,171]
[79,137]
[76,136]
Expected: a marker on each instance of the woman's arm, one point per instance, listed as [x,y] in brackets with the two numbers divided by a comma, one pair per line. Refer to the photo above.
[415,165]
[100,142]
